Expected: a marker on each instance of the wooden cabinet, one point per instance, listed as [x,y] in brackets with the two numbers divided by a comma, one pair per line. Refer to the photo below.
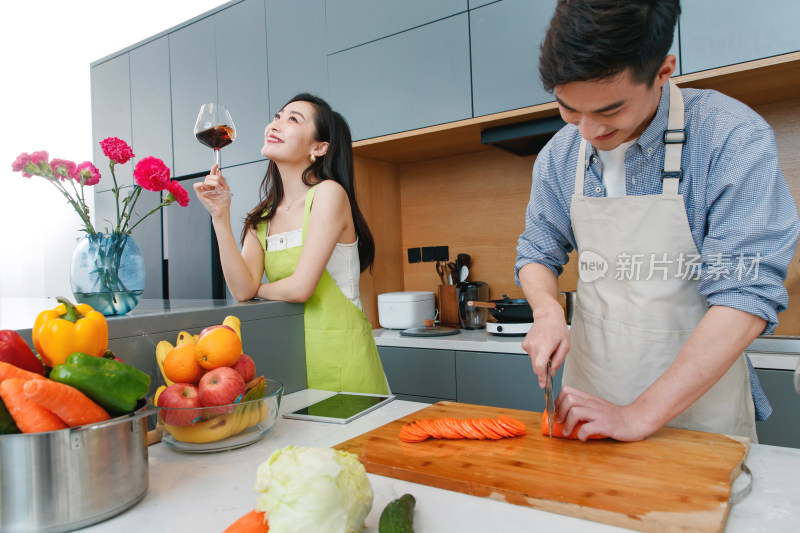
[782,428]
[111,115]
[505,38]
[716,33]
[297,50]
[193,74]
[353,22]
[241,59]
[420,373]
[414,79]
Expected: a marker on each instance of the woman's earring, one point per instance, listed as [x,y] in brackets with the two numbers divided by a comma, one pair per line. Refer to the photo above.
[313,159]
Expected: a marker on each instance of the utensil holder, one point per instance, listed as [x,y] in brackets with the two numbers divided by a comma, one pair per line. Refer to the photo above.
[448,306]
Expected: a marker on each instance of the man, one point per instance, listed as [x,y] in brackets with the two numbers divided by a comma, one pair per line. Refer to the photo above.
[683,222]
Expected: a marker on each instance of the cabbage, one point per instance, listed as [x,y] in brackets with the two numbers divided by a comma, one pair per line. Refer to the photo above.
[313,490]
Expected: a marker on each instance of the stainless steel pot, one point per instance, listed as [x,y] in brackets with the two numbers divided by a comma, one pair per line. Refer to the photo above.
[71,478]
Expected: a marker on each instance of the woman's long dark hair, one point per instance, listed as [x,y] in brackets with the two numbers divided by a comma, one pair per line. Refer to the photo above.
[336,165]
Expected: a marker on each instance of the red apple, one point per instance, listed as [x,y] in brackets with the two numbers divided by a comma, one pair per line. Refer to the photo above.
[246,367]
[182,401]
[209,328]
[221,386]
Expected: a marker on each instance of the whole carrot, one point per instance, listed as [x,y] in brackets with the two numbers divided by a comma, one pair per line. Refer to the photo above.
[558,430]
[68,403]
[29,416]
[9,371]
[252,522]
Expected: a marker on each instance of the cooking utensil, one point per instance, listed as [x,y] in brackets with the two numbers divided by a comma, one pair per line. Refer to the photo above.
[548,398]
[71,478]
[440,270]
[462,267]
[507,310]
[451,273]
[674,480]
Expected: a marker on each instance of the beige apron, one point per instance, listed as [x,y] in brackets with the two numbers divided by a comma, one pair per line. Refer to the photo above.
[638,301]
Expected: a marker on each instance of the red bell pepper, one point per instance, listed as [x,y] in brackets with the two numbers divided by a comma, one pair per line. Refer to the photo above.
[14,350]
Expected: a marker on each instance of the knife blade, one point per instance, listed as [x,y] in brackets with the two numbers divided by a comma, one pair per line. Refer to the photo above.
[548,398]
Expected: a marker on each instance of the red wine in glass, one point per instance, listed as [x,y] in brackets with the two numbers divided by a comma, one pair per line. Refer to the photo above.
[214,128]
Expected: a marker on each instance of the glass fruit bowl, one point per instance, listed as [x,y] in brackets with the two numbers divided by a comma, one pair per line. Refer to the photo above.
[223,427]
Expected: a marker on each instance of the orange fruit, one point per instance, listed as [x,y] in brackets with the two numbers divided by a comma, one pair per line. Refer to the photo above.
[181,366]
[218,347]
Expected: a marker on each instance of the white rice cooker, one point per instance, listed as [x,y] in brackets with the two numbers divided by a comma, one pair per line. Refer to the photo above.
[404,310]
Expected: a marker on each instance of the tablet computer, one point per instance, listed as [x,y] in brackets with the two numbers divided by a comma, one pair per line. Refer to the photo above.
[341,408]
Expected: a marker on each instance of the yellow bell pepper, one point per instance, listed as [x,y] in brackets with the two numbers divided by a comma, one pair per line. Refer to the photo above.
[69,328]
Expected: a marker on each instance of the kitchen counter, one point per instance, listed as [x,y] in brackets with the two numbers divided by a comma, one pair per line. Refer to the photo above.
[777,353]
[208,492]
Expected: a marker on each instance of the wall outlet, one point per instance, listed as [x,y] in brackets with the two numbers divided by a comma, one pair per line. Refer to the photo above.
[428,254]
[441,253]
[414,255]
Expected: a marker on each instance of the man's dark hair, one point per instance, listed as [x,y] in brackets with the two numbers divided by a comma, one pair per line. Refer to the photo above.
[590,40]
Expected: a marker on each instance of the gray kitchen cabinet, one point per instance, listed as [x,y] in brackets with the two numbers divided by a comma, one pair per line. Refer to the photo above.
[241,59]
[414,79]
[151,122]
[716,33]
[111,116]
[783,427]
[187,248]
[297,51]
[500,380]
[193,75]
[353,22]
[505,38]
[420,372]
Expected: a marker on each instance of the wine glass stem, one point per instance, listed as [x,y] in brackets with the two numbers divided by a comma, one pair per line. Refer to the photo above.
[216,158]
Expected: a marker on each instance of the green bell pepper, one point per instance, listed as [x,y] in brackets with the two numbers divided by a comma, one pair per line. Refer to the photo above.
[114,385]
[7,424]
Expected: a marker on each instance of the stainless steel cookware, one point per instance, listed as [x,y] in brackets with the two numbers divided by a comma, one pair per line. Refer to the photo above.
[71,478]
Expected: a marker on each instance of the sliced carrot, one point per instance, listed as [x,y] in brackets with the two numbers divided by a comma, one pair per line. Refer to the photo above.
[513,424]
[68,403]
[9,371]
[252,522]
[457,428]
[558,430]
[29,416]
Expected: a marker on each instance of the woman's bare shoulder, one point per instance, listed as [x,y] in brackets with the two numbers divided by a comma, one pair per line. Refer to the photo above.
[331,193]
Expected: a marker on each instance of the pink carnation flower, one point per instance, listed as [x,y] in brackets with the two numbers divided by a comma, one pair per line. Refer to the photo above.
[87,173]
[20,163]
[64,169]
[179,193]
[152,174]
[116,150]
[41,159]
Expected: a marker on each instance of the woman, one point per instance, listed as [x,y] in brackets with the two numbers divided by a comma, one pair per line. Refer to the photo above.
[312,255]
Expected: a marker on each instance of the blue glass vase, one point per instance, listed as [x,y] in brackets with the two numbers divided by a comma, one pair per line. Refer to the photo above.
[108,272]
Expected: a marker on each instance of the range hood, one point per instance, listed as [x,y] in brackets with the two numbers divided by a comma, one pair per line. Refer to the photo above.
[524,138]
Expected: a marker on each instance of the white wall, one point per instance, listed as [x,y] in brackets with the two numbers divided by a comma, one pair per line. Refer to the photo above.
[47,48]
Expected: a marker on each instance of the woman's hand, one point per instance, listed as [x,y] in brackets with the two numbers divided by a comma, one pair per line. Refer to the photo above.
[218,205]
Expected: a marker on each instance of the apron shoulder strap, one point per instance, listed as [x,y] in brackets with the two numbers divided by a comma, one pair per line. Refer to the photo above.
[307,210]
[674,139]
[262,229]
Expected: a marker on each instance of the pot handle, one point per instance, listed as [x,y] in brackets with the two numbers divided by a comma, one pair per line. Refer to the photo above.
[488,305]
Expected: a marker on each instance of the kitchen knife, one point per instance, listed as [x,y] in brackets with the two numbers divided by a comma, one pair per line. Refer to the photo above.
[548,398]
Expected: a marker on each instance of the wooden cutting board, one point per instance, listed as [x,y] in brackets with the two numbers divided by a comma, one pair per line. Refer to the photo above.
[676,480]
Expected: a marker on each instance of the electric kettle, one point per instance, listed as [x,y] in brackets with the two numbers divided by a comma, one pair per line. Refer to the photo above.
[472,317]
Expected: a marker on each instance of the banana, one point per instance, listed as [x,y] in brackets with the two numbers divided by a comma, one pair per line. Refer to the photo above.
[162,349]
[242,419]
[212,430]
[235,324]
[196,337]
[158,393]
[184,337]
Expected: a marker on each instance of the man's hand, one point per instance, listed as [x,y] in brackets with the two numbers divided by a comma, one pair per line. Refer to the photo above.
[620,422]
[548,338]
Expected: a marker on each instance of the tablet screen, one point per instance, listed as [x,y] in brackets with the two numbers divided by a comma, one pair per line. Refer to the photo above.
[340,408]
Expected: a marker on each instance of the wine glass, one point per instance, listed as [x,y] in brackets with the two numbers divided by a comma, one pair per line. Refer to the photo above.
[215,129]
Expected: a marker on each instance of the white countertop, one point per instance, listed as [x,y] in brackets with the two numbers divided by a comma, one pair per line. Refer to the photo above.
[768,352]
[209,492]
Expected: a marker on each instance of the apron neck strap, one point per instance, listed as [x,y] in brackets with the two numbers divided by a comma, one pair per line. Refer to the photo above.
[674,139]
[580,169]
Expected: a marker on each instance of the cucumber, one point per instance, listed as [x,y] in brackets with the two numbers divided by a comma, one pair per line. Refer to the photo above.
[7,424]
[398,515]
